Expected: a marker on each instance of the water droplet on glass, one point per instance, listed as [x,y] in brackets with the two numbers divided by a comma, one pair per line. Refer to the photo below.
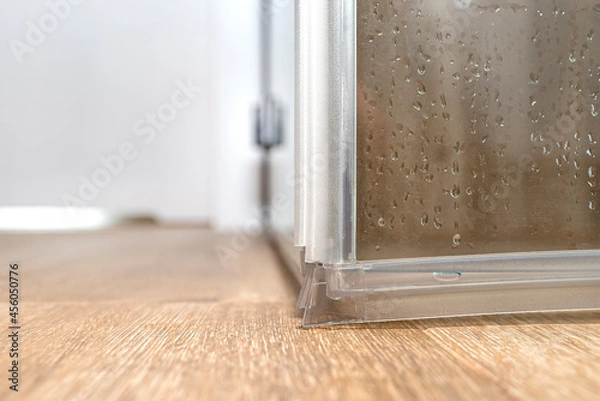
[455,191]
[443,100]
[499,121]
[533,78]
[381,222]
[532,100]
[424,219]
[546,149]
[456,239]
[487,67]
[446,276]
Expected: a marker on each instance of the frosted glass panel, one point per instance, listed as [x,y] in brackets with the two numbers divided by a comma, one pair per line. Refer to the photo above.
[477,127]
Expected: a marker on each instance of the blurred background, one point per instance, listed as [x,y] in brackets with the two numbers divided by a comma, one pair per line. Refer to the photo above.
[140,107]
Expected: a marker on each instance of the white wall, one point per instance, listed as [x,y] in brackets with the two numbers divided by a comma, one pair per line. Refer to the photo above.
[77,97]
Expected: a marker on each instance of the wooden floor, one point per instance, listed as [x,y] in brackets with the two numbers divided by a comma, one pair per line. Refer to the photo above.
[152,314]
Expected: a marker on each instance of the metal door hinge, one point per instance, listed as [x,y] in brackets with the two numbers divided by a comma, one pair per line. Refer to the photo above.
[269,123]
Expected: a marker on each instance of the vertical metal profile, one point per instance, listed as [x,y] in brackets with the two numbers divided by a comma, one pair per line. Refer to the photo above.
[325,95]
[301,121]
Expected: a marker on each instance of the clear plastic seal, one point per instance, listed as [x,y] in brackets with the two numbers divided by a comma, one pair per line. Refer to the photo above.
[447,158]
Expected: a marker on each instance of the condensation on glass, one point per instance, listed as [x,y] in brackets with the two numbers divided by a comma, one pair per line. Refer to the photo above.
[477,127]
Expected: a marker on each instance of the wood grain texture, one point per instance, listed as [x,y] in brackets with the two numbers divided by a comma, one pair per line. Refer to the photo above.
[151,314]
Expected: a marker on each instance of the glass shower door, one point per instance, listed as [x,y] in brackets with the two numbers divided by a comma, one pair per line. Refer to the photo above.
[447,158]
